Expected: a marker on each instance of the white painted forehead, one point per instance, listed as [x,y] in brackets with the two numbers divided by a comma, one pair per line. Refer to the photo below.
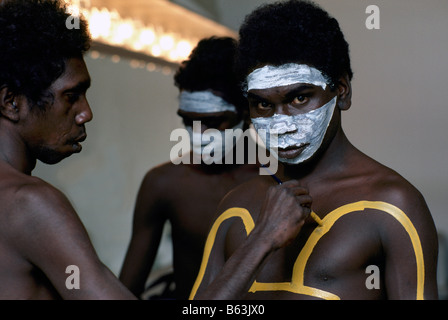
[203,102]
[286,74]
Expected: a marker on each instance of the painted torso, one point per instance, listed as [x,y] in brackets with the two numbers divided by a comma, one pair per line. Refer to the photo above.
[315,274]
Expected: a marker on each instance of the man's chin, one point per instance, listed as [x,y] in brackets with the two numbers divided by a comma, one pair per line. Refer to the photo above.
[52,160]
[53,157]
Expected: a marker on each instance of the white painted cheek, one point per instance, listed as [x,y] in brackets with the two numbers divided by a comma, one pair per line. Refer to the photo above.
[308,128]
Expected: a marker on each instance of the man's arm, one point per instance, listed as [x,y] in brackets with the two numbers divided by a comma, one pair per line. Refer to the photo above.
[281,218]
[148,223]
[49,234]
[400,255]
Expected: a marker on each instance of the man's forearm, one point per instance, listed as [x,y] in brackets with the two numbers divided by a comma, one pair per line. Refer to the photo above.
[239,272]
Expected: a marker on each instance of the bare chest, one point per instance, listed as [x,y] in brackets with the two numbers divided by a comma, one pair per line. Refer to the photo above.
[325,261]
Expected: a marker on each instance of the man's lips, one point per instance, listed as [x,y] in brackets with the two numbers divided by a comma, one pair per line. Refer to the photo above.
[76,144]
[292,151]
[81,138]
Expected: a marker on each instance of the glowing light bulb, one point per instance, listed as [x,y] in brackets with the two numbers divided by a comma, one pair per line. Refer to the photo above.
[123,32]
[166,42]
[147,37]
[183,49]
[173,56]
[156,50]
[100,23]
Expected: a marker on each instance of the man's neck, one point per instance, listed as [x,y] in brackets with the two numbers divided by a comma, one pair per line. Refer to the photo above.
[14,153]
[331,160]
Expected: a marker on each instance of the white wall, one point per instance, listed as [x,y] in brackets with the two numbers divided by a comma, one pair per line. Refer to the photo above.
[398,115]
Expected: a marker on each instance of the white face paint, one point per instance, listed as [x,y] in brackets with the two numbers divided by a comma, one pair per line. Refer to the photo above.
[203,102]
[290,73]
[212,139]
[303,130]
[307,129]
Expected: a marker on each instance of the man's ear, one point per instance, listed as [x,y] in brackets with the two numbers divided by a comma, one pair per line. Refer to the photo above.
[344,93]
[8,105]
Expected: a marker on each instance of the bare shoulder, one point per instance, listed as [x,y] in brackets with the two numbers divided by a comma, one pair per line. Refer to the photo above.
[391,187]
[164,176]
[399,192]
[38,220]
[249,195]
[158,190]
[367,179]
[162,170]
[34,205]
[416,224]
[23,195]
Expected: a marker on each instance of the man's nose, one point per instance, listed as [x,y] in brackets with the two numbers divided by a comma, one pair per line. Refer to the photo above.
[283,109]
[85,115]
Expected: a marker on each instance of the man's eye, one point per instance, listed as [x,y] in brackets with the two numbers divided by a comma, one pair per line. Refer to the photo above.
[73,97]
[299,100]
[263,105]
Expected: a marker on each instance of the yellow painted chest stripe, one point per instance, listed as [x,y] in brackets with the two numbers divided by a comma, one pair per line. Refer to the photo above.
[296,285]
[229,213]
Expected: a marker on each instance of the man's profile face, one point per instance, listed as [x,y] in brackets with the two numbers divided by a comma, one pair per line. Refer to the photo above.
[56,132]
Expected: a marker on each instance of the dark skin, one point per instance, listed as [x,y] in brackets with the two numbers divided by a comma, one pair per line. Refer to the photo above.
[337,174]
[41,234]
[187,196]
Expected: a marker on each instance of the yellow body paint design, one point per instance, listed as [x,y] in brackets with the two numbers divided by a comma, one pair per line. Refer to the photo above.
[296,285]
[230,213]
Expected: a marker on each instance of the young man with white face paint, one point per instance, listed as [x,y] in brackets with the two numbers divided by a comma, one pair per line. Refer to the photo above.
[203,143]
[187,193]
[303,131]
[336,212]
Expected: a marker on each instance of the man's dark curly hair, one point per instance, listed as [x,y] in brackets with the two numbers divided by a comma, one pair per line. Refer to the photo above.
[210,66]
[35,44]
[293,31]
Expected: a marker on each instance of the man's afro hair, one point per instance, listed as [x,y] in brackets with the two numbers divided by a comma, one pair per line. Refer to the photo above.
[293,31]
[211,66]
[35,44]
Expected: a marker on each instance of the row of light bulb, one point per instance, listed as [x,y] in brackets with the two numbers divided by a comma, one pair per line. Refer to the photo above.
[110,28]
